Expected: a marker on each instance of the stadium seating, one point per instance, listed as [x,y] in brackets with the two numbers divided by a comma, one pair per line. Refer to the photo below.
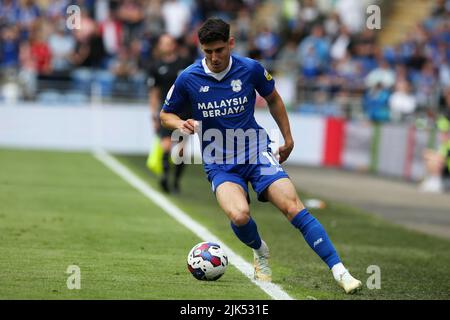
[324,47]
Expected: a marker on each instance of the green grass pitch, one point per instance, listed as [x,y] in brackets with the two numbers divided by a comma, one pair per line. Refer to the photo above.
[61,209]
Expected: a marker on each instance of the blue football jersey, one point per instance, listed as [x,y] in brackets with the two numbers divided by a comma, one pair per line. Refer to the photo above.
[224,104]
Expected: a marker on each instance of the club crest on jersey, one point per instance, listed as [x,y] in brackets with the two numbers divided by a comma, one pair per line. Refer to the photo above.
[236,85]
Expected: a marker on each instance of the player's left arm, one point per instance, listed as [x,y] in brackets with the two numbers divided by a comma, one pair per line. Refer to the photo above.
[278,112]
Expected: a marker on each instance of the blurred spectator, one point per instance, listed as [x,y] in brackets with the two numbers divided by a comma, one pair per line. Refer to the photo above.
[138,54]
[89,27]
[131,14]
[363,47]
[287,58]
[176,27]
[102,10]
[89,62]
[352,14]
[309,13]
[189,47]
[341,44]
[382,74]
[153,21]
[333,26]
[35,59]
[8,12]
[393,54]
[290,11]
[312,53]
[441,8]
[9,47]
[420,35]
[402,103]
[126,74]
[89,49]
[349,70]
[88,5]
[62,45]
[27,15]
[267,42]
[57,9]
[414,59]
[122,66]
[444,73]
[38,52]
[241,29]
[224,9]
[375,103]
[312,66]
[401,73]
[253,51]
[425,83]
[111,32]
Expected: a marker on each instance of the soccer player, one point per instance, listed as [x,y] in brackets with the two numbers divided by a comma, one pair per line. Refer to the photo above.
[162,75]
[221,90]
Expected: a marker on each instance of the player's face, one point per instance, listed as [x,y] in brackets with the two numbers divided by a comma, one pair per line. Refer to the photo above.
[217,54]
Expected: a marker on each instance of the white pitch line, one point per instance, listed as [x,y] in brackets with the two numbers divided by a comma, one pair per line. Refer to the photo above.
[243,266]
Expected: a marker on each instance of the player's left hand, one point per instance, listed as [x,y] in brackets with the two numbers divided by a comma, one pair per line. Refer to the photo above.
[190,126]
[284,151]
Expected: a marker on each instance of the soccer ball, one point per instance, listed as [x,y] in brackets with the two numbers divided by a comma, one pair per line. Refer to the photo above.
[207,261]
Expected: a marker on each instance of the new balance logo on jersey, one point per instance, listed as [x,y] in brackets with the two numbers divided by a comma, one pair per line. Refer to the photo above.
[204,89]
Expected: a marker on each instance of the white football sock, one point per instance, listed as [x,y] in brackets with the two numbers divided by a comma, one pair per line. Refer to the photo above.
[338,269]
[263,249]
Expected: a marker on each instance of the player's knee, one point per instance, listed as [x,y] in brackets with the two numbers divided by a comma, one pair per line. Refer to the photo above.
[240,216]
[291,207]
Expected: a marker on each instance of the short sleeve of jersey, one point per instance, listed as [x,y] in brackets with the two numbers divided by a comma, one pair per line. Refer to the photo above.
[177,97]
[263,80]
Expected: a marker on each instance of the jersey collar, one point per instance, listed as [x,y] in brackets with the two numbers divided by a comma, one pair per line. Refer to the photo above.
[218,76]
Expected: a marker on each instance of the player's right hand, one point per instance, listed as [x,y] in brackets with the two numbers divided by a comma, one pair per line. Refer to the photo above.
[189,126]
[284,151]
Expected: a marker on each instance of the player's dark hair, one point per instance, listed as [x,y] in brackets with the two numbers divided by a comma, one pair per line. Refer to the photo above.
[214,30]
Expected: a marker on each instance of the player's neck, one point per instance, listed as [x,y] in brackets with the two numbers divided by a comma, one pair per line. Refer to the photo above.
[217,75]
[218,72]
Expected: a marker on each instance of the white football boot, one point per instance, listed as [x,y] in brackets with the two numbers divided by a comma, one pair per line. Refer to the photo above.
[261,263]
[348,283]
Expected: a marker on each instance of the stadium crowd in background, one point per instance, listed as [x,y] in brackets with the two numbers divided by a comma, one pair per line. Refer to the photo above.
[325,42]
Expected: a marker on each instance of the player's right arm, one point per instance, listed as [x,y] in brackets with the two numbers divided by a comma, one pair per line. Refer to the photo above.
[265,85]
[176,100]
[173,122]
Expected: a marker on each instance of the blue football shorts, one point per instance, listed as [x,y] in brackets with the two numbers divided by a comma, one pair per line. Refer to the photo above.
[261,175]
